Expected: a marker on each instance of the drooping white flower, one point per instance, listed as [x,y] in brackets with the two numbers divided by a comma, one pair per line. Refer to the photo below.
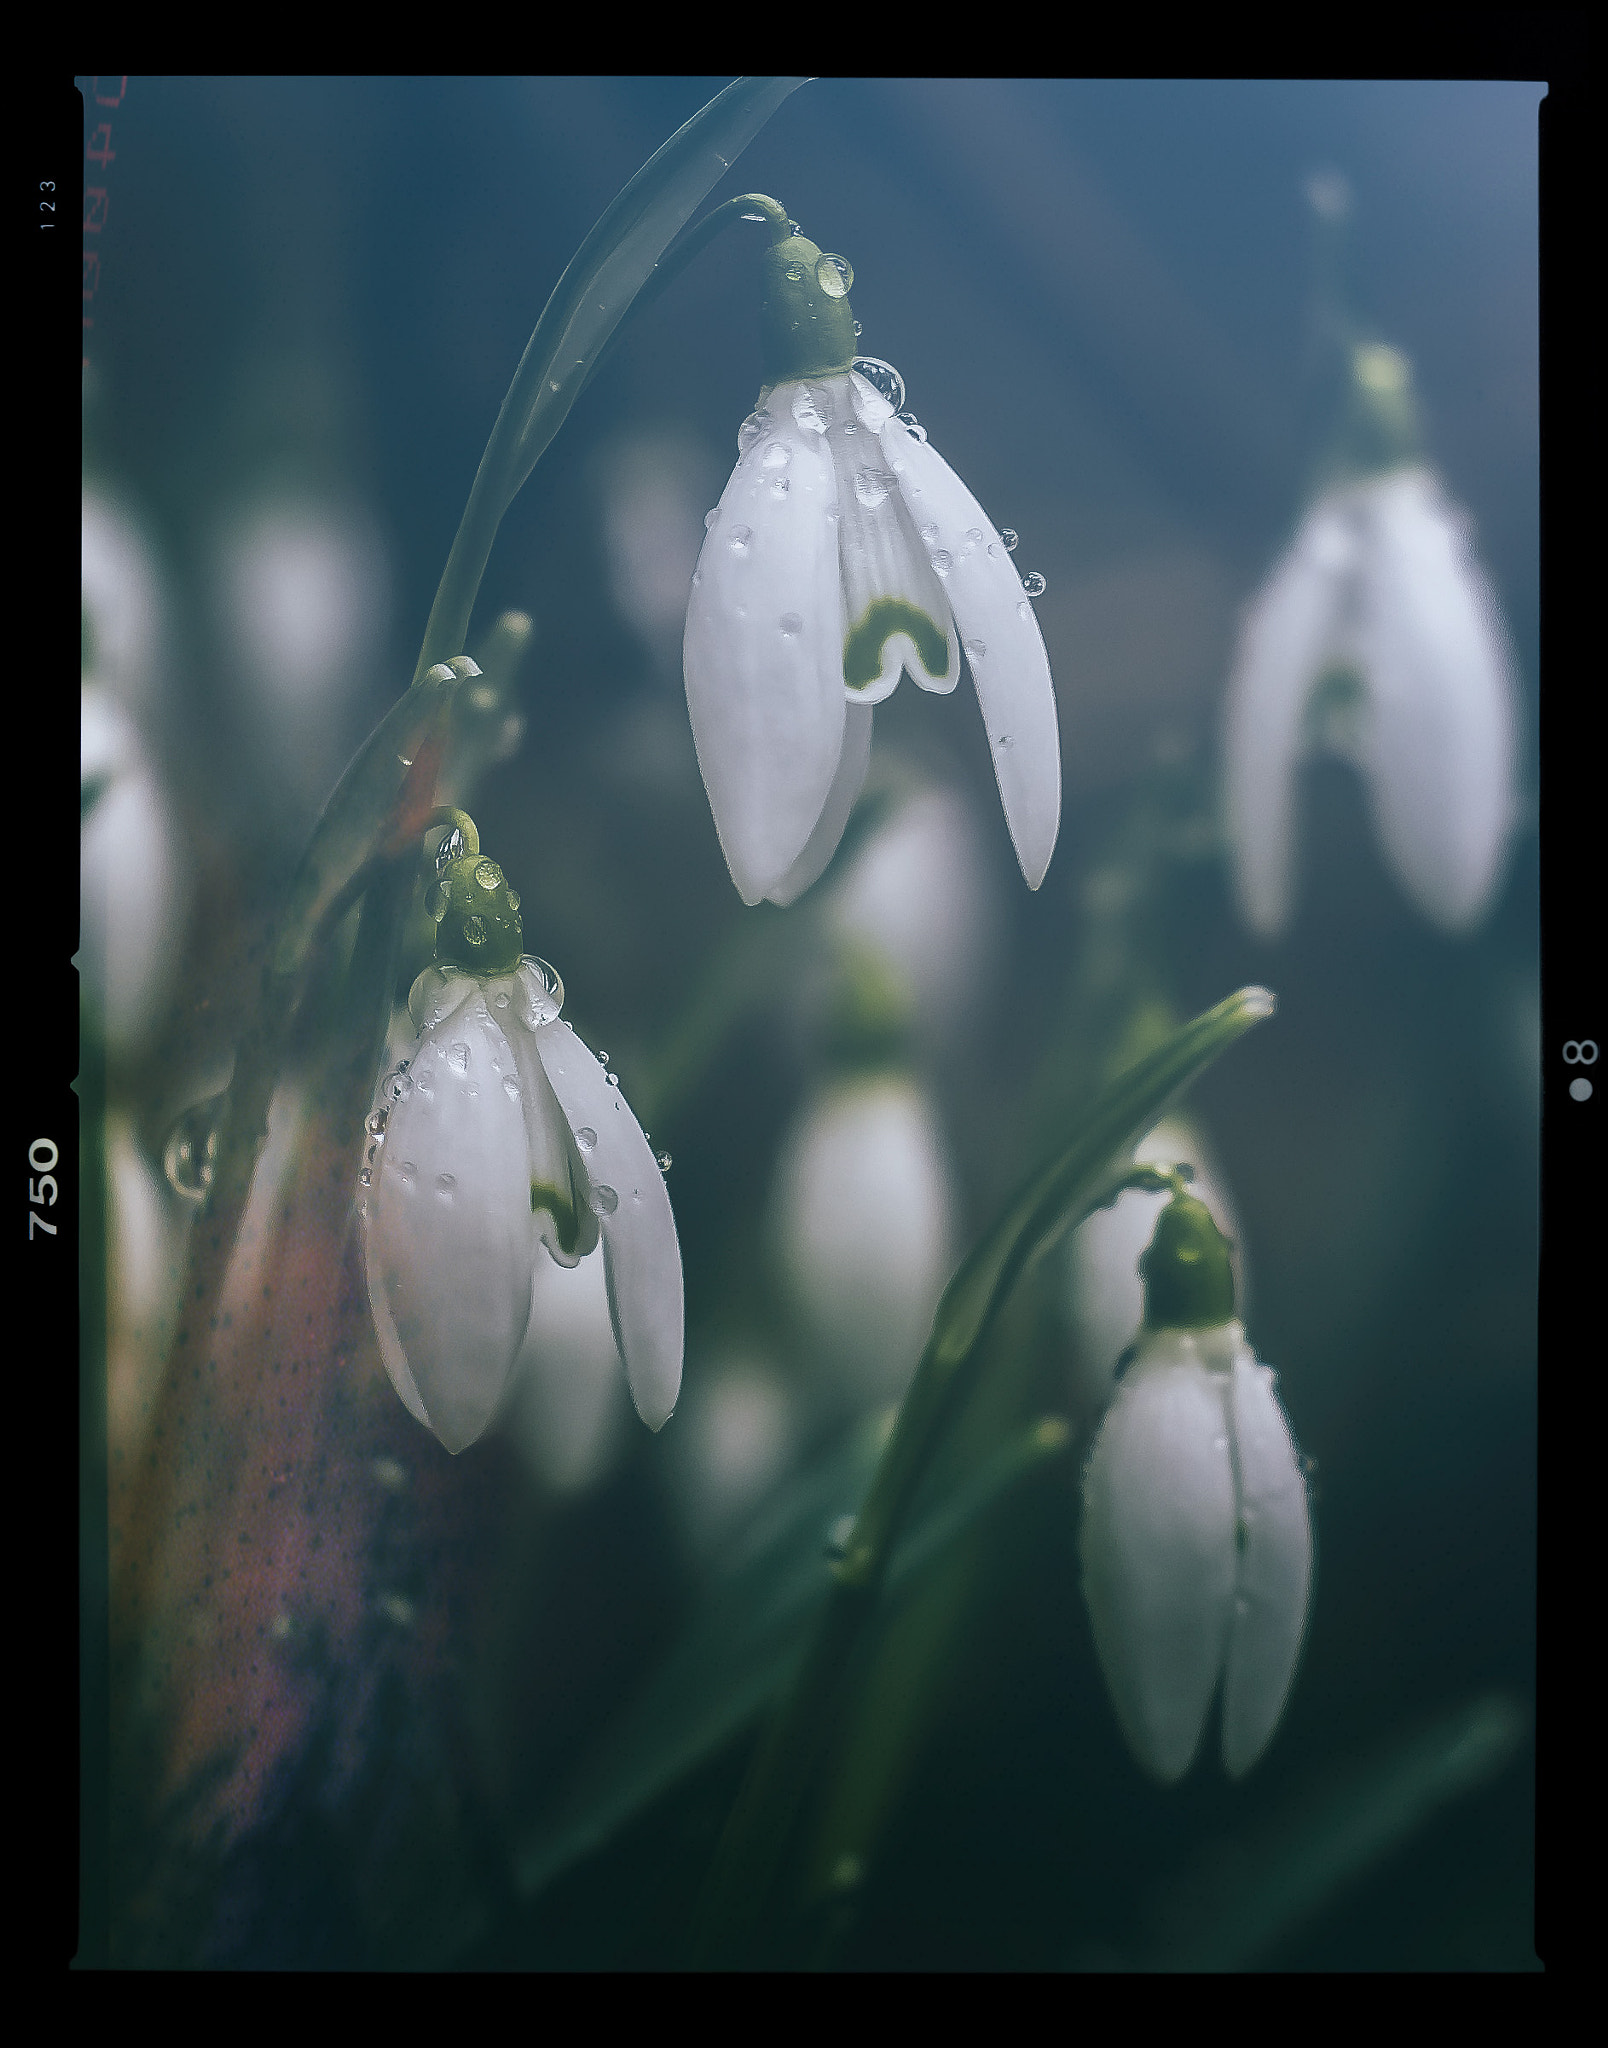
[1197,1537]
[844,552]
[502,1134]
[1377,636]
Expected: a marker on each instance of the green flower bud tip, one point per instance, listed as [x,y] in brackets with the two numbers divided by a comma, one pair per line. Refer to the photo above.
[476,915]
[1189,1281]
[806,322]
[1379,429]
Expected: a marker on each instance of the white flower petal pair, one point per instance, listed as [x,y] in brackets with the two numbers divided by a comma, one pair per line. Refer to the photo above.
[503,1133]
[1381,581]
[1197,1549]
[844,552]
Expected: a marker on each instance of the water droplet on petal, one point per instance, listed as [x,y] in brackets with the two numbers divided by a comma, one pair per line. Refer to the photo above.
[602,1058]
[1033,583]
[739,538]
[975,649]
[779,487]
[929,534]
[603,1200]
[857,330]
[407,1173]
[748,433]
[792,625]
[374,1122]
[834,274]
[612,1079]
[398,1085]
[458,1056]
[1009,536]
[1005,740]
[913,426]
[500,999]
[793,227]
[811,411]
[365,1179]
[871,488]
[974,536]
[586,1138]
[664,1162]
[510,1087]
[474,930]
[776,456]
[794,273]
[883,378]
[445,1184]
[942,562]
[489,875]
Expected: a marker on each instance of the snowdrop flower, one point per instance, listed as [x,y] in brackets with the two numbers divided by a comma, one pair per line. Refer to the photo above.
[845,552]
[1197,1538]
[1377,636]
[501,1135]
[1108,1297]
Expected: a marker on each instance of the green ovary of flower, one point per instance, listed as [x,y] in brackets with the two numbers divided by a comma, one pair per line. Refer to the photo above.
[1189,1281]
[477,917]
[561,1204]
[881,619]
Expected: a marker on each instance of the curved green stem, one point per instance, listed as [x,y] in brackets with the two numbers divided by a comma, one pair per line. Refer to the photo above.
[1060,1193]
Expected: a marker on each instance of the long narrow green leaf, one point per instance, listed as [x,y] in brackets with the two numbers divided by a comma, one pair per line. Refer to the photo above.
[1286,1876]
[618,256]
[745,1641]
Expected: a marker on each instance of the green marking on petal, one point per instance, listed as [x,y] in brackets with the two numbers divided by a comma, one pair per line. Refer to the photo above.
[881,619]
[560,1205]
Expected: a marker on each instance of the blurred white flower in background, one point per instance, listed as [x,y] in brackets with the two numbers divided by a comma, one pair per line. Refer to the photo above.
[567,1415]
[1103,1254]
[134,881]
[303,592]
[1377,637]
[736,1431]
[862,1228]
[920,896]
[654,489]
[123,608]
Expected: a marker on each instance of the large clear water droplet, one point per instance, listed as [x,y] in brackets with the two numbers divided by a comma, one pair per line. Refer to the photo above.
[445,1185]
[811,411]
[1009,536]
[834,274]
[871,488]
[883,378]
[792,625]
[604,1201]
[664,1162]
[738,539]
[586,1137]
[541,992]
[748,433]
[909,421]
[458,1056]
[777,456]
[1033,583]
[190,1155]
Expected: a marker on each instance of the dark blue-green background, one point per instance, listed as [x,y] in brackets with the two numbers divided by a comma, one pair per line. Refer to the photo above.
[1095,291]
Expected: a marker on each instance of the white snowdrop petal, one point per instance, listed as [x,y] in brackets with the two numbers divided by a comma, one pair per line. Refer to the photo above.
[1442,735]
[448,1236]
[896,615]
[1275,1568]
[562,1216]
[762,651]
[1003,643]
[1158,1550]
[1288,633]
[642,1258]
[846,786]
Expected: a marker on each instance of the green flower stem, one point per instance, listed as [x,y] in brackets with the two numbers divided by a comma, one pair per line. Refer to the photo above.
[740,1884]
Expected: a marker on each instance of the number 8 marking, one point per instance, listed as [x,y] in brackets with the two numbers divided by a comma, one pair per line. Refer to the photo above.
[1580,1052]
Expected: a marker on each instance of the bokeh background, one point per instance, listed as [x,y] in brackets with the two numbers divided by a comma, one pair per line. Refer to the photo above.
[312,296]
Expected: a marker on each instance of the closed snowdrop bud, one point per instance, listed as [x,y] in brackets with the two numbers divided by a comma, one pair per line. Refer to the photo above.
[1377,637]
[501,1140]
[1197,1538]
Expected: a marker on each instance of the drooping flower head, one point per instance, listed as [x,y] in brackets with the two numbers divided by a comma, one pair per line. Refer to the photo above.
[500,1135]
[844,553]
[1377,637]
[1197,1536]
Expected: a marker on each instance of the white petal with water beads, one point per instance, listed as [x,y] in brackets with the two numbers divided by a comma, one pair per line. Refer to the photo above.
[1000,634]
[763,652]
[448,1233]
[642,1258]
